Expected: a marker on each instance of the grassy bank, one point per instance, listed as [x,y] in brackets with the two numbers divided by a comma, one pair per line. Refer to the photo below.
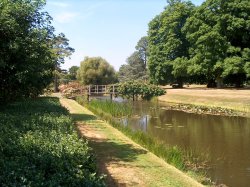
[232,99]
[123,161]
[39,147]
[181,159]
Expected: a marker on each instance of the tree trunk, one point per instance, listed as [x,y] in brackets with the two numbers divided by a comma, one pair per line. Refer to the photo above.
[219,82]
[55,83]
[180,83]
[211,84]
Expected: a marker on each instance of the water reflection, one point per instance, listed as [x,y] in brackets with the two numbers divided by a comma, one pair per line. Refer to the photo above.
[225,139]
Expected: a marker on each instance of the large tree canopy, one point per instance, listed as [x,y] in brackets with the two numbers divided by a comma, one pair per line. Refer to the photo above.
[27,39]
[210,42]
[26,61]
[219,33]
[168,46]
[96,71]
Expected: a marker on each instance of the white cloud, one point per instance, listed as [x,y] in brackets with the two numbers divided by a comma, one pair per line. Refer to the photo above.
[65,17]
[58,4]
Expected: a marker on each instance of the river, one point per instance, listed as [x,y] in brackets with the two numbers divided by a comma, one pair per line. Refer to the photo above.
[225,139]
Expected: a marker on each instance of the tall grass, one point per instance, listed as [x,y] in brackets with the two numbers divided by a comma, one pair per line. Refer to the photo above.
[112,108]
[181,159]
[39,147]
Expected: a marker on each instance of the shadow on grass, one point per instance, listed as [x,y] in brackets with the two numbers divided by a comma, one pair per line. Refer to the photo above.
[112,151]
[83,117]
[109,152]
[117,155]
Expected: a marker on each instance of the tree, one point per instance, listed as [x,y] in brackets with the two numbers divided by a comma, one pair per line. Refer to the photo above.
[168,46]
[142,48]
[219,35]
[73,72]
[136,67]
[61,50]
[26,61]
[96,71]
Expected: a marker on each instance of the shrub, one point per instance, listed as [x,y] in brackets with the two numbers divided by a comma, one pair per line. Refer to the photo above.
[39,147]
[133,90]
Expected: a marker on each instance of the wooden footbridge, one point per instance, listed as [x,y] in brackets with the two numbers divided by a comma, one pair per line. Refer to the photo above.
[95,90]
[101,89]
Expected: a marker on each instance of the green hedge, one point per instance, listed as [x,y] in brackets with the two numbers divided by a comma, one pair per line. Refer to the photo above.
[135,89]
[39,147]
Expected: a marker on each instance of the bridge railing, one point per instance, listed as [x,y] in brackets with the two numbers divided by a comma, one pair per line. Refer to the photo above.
[102,89]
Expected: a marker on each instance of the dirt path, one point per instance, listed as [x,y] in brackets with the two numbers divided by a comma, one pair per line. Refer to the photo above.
[124,162]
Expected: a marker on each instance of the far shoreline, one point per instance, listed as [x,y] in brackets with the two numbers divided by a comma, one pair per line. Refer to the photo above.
[201,100]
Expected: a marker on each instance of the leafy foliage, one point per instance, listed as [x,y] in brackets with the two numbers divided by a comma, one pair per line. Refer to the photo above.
[73,72]
[27,49]
[25,55]
[136,67]
[218,35]
[96,71]
[60,50]
[210,41]
[133,90]
[168,46]
[39,147]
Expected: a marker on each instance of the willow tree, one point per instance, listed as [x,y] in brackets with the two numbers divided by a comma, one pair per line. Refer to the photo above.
[96,71]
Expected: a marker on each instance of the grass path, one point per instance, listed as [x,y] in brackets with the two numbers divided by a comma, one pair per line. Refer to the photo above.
[124,162]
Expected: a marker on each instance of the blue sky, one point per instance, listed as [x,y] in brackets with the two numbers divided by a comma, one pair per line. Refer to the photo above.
[106,28]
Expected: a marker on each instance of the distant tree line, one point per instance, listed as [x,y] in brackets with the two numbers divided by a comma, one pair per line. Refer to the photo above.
[30,52]
[136,67]
[209,43]
[206,44]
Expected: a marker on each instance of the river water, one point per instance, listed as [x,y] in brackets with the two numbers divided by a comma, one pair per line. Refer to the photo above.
[226,140]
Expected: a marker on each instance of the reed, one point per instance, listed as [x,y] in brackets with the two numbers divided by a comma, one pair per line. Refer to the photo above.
[181,159]
[112,108]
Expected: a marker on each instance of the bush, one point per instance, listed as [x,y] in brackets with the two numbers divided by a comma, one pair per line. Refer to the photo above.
[133,90]
[71,89]
[39,147]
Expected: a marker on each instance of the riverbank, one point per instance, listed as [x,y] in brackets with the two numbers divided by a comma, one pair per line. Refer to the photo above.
[237,102]
[124,162]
